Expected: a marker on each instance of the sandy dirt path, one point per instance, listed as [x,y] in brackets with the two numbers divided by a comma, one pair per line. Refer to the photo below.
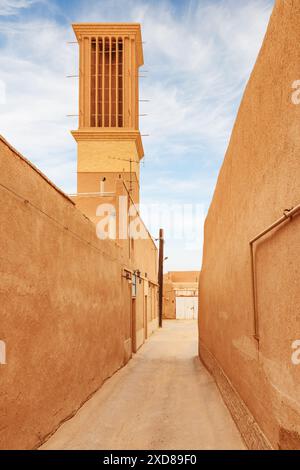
[163,399]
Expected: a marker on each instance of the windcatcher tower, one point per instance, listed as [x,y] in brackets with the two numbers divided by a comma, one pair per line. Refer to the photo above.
[108,138]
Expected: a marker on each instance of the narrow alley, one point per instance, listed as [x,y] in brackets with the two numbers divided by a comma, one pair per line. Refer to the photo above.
[163,398]
[150,220]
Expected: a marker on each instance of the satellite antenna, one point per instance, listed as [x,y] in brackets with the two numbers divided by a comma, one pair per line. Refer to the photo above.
[130,168]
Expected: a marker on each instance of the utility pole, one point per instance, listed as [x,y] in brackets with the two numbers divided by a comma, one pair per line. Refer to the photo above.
[161,275]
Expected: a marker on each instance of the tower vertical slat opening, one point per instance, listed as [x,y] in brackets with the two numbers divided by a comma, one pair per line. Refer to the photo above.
[103,81]
[106,82]
[133,80]
[126,88]
[121,83]
[97,82]
[86,80]
[93,84]
[81,84]
[110,82]
[105,73]
[113,82]
[100,85]
[129,83]
[117,82]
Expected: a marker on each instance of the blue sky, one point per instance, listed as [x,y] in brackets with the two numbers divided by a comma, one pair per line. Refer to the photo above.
[198,54]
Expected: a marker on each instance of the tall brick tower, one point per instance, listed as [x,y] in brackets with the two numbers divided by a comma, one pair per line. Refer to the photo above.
[108,137]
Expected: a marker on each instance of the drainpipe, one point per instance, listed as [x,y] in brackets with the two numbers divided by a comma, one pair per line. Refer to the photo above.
[287,215]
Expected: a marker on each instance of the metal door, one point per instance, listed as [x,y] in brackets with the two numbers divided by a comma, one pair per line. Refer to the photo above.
[186,308]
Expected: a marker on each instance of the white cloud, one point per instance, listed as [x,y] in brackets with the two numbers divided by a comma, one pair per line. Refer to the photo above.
[11,7]
[205,58]
[33,66]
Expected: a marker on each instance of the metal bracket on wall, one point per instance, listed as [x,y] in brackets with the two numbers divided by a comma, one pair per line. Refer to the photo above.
[287,215]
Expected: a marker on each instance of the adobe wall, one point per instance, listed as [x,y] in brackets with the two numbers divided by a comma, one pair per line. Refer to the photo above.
[183,276]
[146,260]
[64,305]
[259,179]
[138,248]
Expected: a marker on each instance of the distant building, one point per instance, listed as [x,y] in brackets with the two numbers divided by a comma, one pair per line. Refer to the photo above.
[180,296]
